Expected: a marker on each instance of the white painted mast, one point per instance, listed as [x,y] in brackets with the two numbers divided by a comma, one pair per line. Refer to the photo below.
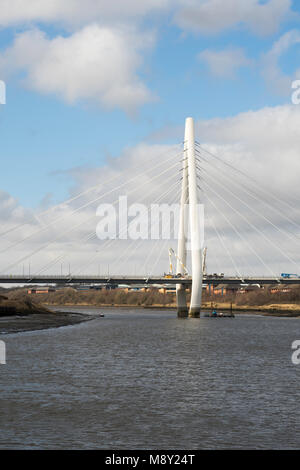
[195,229]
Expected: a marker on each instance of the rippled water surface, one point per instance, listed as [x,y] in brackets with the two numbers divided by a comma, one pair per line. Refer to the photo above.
[145,380]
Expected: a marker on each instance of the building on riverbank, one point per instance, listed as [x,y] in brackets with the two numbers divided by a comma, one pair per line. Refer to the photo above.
[40,290]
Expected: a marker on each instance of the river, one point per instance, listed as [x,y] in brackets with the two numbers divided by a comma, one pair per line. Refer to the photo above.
[143,379]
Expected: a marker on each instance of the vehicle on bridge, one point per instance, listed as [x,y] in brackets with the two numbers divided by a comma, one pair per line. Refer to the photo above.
[172,276]
[289,276]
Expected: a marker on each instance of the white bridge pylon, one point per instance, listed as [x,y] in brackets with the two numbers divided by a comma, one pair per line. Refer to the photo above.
[189,198]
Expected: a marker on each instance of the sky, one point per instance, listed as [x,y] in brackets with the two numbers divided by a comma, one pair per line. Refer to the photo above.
[97,89]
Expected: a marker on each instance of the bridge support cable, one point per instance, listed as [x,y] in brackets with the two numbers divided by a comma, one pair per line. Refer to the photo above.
[91,236]
[285,234]
[110,242]
[63,256]
[260,232]
[36,217]
[150,255]
[242,260]
[220,237]
[123,258]
[128,252]
[243,239]
[164,248]
[252,195]
[215,263]
[151,252]
[43,247]
[84,206]
[257,185]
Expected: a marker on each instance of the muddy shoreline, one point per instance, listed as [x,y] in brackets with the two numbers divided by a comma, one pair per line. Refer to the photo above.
[41,321]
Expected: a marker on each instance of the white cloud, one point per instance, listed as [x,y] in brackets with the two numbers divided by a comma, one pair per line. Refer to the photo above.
[100,60]
[204,16]
[265,142]
[224,63]
[96,63]
[76,12]
[11,209]
[215,16]
[275,79]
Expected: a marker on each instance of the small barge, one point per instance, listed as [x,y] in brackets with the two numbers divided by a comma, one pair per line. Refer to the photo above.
[215,314]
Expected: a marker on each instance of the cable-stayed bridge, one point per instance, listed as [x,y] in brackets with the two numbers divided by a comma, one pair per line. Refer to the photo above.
[246,225]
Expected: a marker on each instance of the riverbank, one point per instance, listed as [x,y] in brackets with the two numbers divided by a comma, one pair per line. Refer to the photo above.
[263,303]
[284,310]
[20,307]
[278,310]
[17,316]
[25,315]
[41,321]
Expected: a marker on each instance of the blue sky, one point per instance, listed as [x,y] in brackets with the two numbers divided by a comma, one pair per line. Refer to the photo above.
[43,136]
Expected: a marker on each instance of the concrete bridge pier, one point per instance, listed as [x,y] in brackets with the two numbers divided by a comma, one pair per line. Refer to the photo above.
[182,309]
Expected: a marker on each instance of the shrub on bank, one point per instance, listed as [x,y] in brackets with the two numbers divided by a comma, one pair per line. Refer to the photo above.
[97,297]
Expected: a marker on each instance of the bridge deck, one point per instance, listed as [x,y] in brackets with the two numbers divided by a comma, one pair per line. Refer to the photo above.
[69,280]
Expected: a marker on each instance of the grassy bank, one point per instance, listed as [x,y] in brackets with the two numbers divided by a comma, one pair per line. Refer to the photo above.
[93,298]
[22,307]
